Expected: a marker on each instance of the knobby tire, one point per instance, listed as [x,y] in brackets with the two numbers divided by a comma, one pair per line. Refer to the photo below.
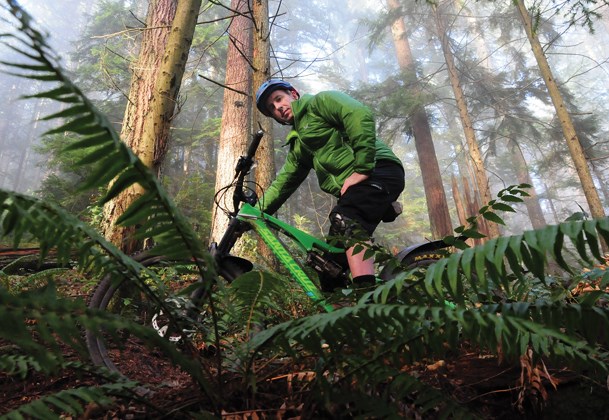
[121,351]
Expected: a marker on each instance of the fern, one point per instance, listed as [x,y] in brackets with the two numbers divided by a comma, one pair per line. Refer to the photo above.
[52,319]
[356,342]
[70,401]
[507,265]
[255,291]
[18,365]
[154,212]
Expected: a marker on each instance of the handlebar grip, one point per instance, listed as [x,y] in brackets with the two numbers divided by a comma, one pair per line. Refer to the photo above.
[251,151]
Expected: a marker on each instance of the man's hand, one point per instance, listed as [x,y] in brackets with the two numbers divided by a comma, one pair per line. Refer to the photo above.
[353,179]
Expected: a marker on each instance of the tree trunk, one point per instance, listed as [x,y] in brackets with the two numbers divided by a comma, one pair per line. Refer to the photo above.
[575,148]
[262,70]
[460,207]
[261,61]
[25,153]
[538,220]
[155,84]
[234,133]
[468,128]
[437,206]
[598,172]
[551,202]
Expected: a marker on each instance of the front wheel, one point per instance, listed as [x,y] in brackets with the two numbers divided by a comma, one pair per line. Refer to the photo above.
[118,348]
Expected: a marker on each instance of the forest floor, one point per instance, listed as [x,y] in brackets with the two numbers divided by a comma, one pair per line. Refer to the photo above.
[477,381]
[490,388]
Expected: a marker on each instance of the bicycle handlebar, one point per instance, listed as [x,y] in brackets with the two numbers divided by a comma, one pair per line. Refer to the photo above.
[251,151]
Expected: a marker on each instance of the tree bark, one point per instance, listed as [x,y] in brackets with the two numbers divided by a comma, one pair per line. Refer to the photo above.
[234,132]
[437,206]
[575,148]
[459,206]
[155,85]
[261,61]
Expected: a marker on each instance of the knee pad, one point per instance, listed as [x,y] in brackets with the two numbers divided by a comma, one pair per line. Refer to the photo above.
[340,225]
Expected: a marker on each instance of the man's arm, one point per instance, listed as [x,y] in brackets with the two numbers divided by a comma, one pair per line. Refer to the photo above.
[289,178]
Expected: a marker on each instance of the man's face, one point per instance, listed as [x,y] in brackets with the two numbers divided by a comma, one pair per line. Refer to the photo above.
[279,105]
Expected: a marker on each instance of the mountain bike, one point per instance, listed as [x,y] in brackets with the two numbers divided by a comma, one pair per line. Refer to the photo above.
[321,257]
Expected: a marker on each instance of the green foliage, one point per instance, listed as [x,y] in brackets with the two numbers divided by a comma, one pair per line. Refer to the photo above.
[504,299]
[154,211]
[62,185]
[71,401]
[505,199]
[581,13]
[255,289]
[503,293]
[54,228]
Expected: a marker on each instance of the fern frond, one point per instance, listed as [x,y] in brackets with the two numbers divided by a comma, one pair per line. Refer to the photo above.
[57,229]
[102,145]
[504,263]
[256,287]
[99,144]
[410,333]
[20,263]
[18,365]
[53,320]
[403,396]
[364,345]
[71,401]
[254,291]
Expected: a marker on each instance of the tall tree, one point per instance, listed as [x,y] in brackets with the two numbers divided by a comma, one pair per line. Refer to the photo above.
[538,220]
[475,154]
[236,109]
[156,81]
[437,206]
[261,62]
[575,149]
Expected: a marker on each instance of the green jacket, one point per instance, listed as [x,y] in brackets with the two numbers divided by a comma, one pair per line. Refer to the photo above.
[333,134]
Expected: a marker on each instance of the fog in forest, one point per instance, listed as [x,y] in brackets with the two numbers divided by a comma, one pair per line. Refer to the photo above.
[342,45]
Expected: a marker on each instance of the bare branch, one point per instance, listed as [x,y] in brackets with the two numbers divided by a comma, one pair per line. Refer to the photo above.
[222,85]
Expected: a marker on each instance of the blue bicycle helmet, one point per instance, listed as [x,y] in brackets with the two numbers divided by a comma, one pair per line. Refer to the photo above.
[266,89]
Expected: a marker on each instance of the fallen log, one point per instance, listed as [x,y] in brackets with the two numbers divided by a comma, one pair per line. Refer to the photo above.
[26,260]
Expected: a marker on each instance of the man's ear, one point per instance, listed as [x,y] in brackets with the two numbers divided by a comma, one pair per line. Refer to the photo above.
[295,94]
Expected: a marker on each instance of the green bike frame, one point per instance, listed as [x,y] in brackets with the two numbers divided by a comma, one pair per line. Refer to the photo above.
[261,222]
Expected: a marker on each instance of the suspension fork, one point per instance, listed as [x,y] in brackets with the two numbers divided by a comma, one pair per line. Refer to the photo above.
[233,232]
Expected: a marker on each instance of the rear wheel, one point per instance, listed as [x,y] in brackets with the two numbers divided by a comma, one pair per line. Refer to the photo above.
[422,259]
[417,263]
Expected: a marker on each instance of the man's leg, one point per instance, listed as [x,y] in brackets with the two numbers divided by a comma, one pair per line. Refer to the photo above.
[362,269]
[357,264]
[359,211]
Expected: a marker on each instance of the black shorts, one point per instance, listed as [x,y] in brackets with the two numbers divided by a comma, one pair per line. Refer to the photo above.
[368,201]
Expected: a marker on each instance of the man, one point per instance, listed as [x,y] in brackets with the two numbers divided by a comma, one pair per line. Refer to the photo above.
[334,135]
